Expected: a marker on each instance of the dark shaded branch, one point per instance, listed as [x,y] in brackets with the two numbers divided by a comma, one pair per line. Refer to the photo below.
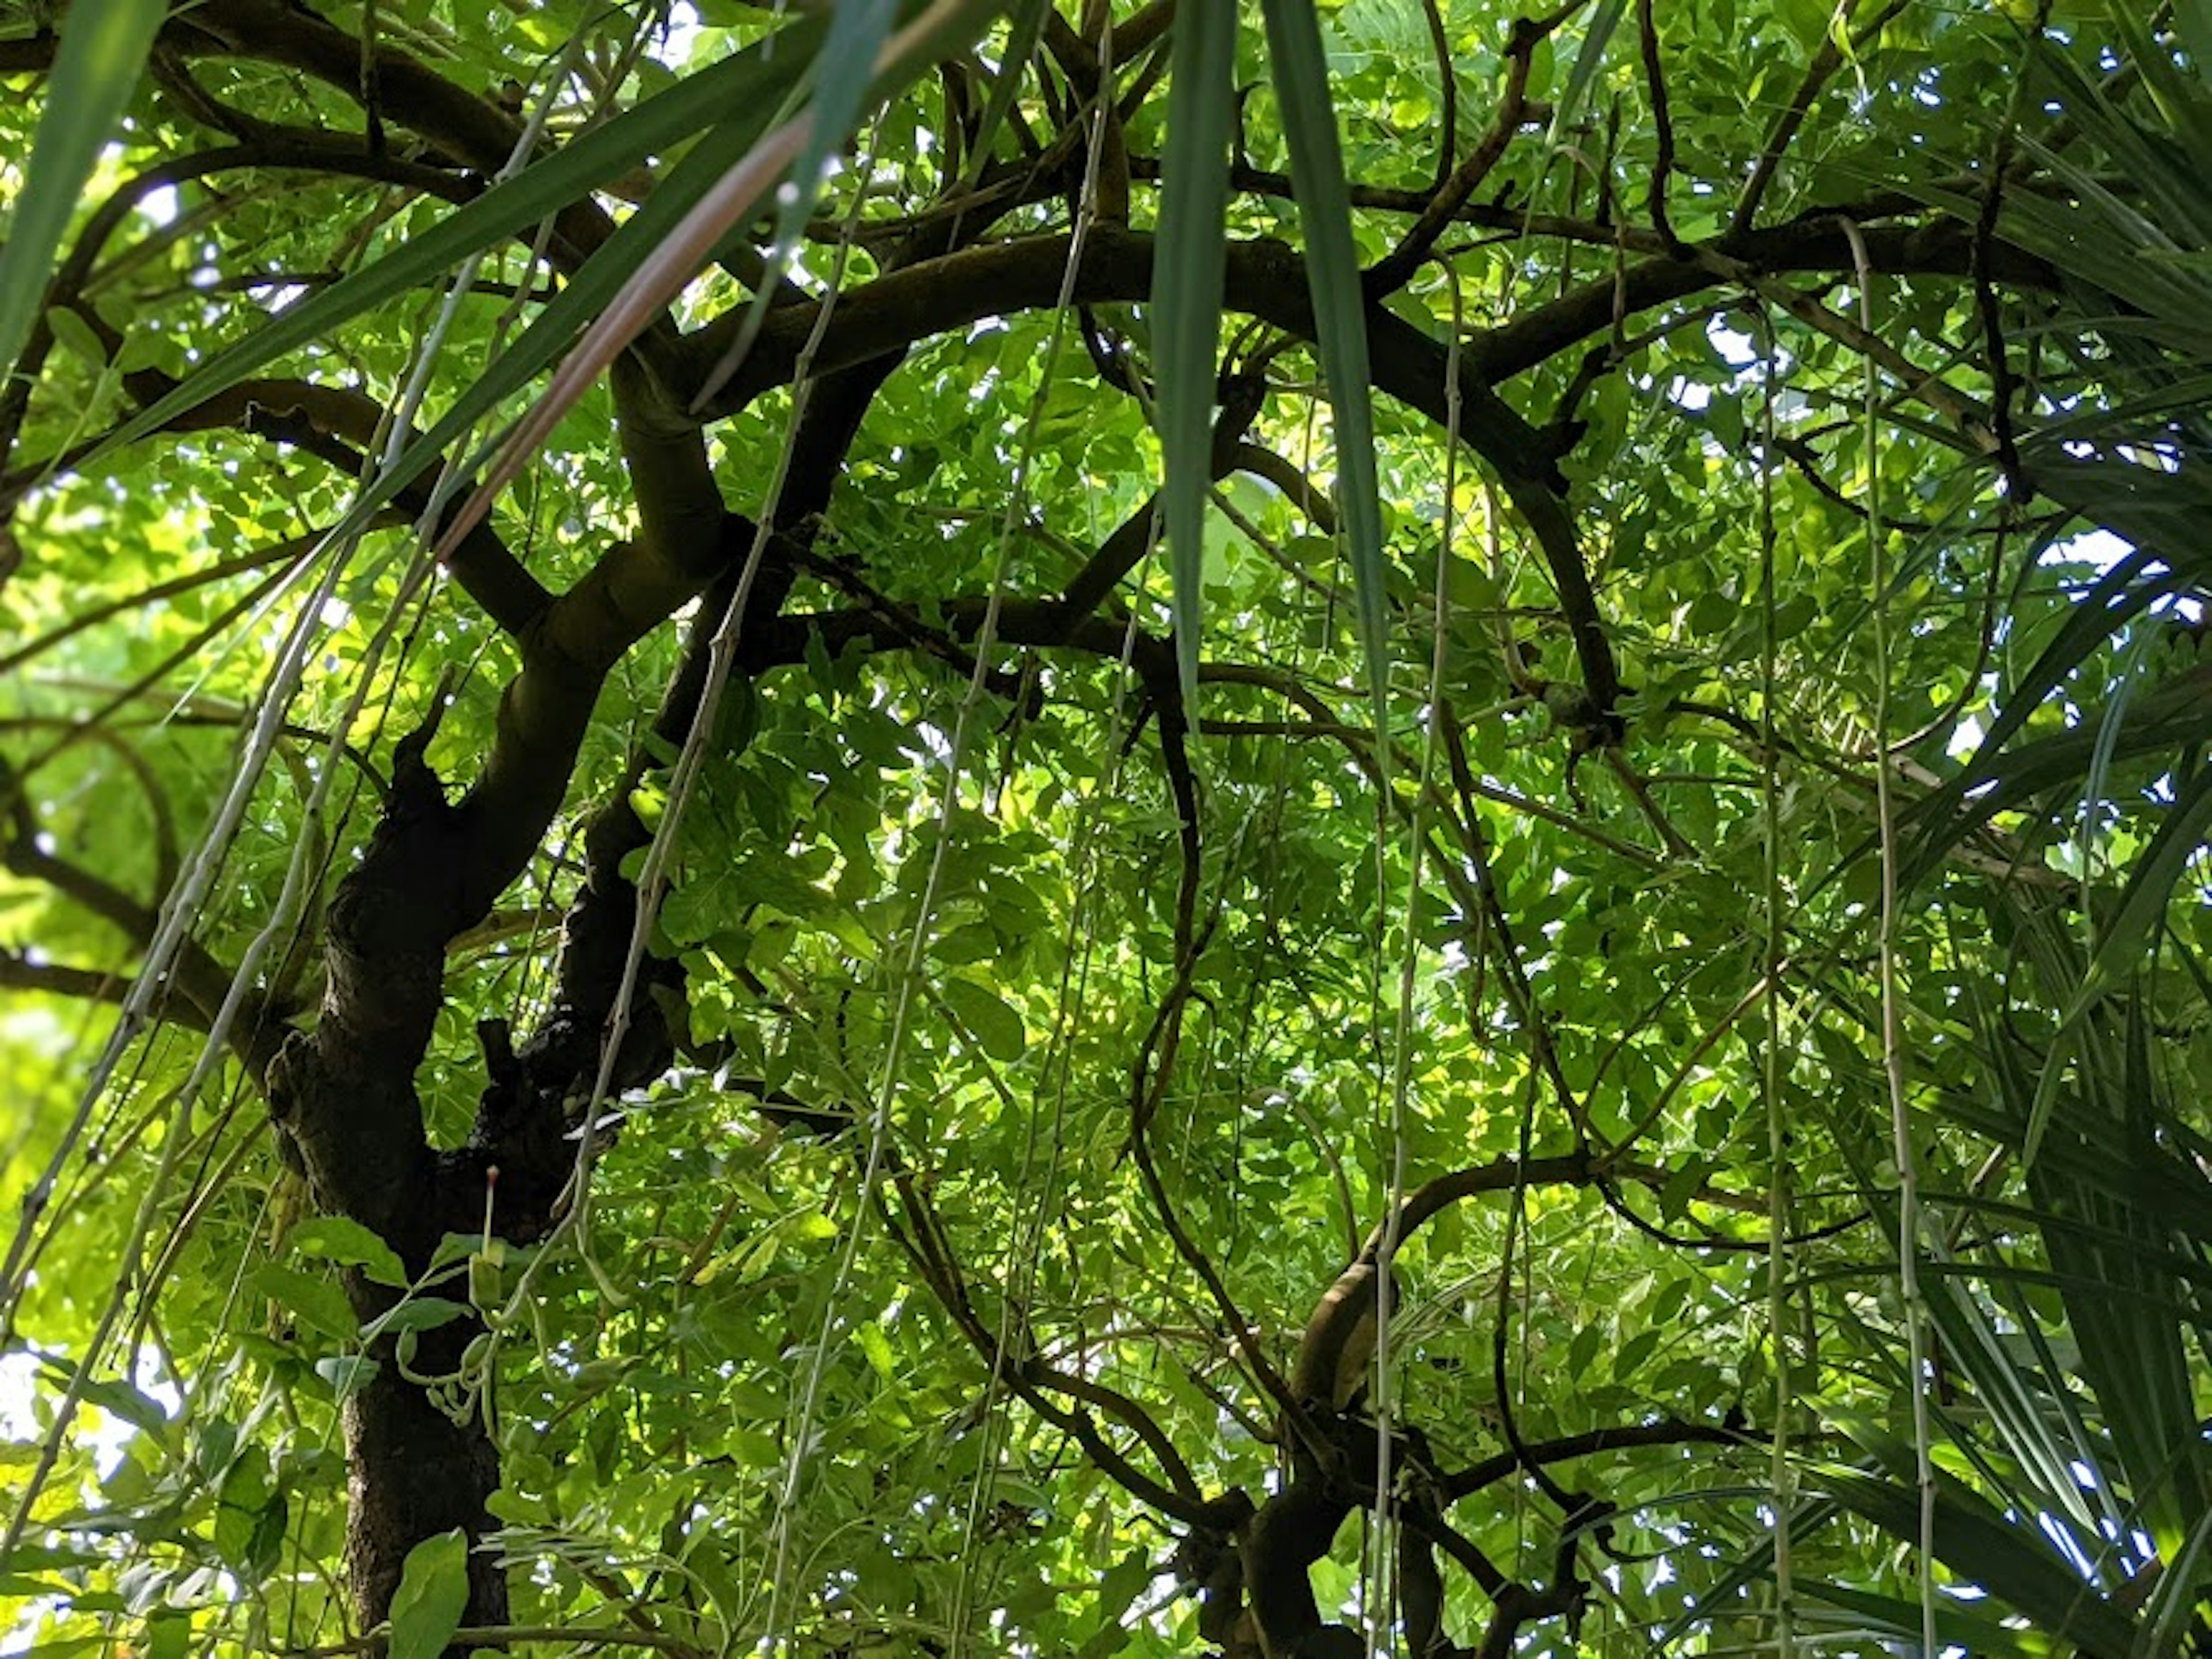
[1310,498]
[1655,86]
[1815,243]
[1448,83]
[1029,1377]
[1824,62]
[29,54]
[338,157]
[1667,1432]
[1265,280]
[338,425]
[201,981]
[19,973]
[1125,548]
[409,95]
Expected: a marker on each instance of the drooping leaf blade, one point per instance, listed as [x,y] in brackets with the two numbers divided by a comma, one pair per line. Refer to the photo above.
[103,49]
[1324,197]
[1187,279]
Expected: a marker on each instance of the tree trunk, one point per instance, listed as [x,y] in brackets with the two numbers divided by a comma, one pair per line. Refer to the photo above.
[413,1473]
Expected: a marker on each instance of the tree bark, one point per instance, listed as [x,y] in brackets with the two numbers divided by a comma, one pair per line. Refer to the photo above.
[413,1473]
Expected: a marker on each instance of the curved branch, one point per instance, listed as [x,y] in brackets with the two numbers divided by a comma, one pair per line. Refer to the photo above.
[1814,244]
[409,95]
[1265,279]
[1027,1378]
[288,154]
[1280,471]
[1669,1431]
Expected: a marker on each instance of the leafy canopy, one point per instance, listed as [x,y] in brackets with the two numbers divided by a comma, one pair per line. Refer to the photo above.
[911,826]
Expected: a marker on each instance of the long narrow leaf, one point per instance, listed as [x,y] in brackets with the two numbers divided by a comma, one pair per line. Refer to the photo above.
[1899,1621]
[104,45]
[1567,108]
[1324,197]
[2175,1603]
[842,75]
[945,28]
[1187,279]
[1024,28]
[2151,881]
[2119,596]
[2012,1562]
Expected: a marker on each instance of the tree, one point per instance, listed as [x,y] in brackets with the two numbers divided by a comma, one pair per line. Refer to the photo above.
[1360,761]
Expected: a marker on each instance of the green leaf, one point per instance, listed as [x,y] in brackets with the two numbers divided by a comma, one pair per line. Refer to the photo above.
[336,1238]
[103,49]
[1324,198]
[250,1515]
[310,1298]
[2192,21]
[877,1349]
[131,1405]
[15,1584]
[1118,1586]
[1686,1182]
[1898,1620]
[997,1024]
[1187,279]
[2177,1601]
[842,73]
[420,1313]
[347,1374]
[1583,1348]
[433,1593]
[74,335]
[1634,1351]
[1567,108]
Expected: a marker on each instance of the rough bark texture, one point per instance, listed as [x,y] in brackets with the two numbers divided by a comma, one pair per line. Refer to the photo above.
[344,1099]
[412,1472]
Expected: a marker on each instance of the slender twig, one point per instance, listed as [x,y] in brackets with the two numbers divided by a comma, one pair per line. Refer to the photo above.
[1654,83]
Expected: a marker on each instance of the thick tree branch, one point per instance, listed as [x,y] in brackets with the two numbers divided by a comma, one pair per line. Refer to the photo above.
[1265,280]
[18,972]
[1815,243]
[1564,1448]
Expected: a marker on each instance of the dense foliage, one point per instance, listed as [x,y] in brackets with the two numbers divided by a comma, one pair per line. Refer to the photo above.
[1295,829]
